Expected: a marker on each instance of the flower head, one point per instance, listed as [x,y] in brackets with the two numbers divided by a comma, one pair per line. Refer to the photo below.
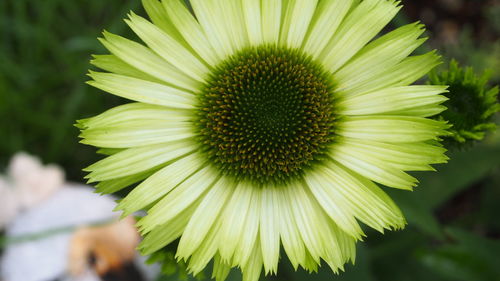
[471,105]
[264,123]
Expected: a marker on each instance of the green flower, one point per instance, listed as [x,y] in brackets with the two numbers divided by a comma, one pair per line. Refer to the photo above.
[264,123]
[471,104]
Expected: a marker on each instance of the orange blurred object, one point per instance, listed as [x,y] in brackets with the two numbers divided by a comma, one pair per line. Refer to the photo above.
[103,248]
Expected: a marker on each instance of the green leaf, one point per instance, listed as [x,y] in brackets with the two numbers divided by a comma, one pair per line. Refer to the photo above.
[468,257]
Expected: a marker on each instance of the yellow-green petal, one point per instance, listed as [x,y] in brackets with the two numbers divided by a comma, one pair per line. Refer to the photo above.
[168,48]
[147,61]
[191,30]
[159,184]
[329,15]
[359,27]
[141,90]
[180,198]
[296,21]
[393,100]
[271,20]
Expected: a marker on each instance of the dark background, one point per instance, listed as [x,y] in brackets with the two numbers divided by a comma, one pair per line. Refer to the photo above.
[453,216]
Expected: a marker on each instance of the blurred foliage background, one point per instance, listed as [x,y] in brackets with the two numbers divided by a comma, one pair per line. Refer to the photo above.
[453,230]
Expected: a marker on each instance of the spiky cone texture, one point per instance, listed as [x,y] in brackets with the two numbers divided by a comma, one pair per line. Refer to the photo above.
[261,124]
[471,106]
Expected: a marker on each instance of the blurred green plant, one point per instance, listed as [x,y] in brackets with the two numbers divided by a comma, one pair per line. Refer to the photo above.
[171,268]
[45,48]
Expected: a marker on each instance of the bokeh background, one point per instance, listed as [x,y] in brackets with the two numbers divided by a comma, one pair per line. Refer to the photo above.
[453,230]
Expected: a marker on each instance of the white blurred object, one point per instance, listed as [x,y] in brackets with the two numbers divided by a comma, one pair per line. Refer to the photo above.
[55,222]
[9,203]
[88,275]
[32,181]
[26,184]
[47,258]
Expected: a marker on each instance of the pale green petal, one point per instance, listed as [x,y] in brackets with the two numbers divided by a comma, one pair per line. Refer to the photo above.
[251,271]
[296,21]
[145,60]
[160,183]
[374,169]
[233,18]
[306,220]
[385,162]
[328,17]
[391,100]
[247,239]
[339,247]
[269,229]
[421,111]
[141,90]
[109,151]
[221,270]
[209,15]
[112,63]
[206,251]
[337,186]
[347,244]
[114,185]
[405,73]
[167,233]
[326,193]
[168,48]
[179,198]
[233,219]
[191,30]
[137,133]
[289,230]
[310,264]
[123,114]
[253,21]
[271,20]
[391,129]
[359,27]
[204,217]
[374,188]
[136,160]
[160,18]
[379,55]
[410,154]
